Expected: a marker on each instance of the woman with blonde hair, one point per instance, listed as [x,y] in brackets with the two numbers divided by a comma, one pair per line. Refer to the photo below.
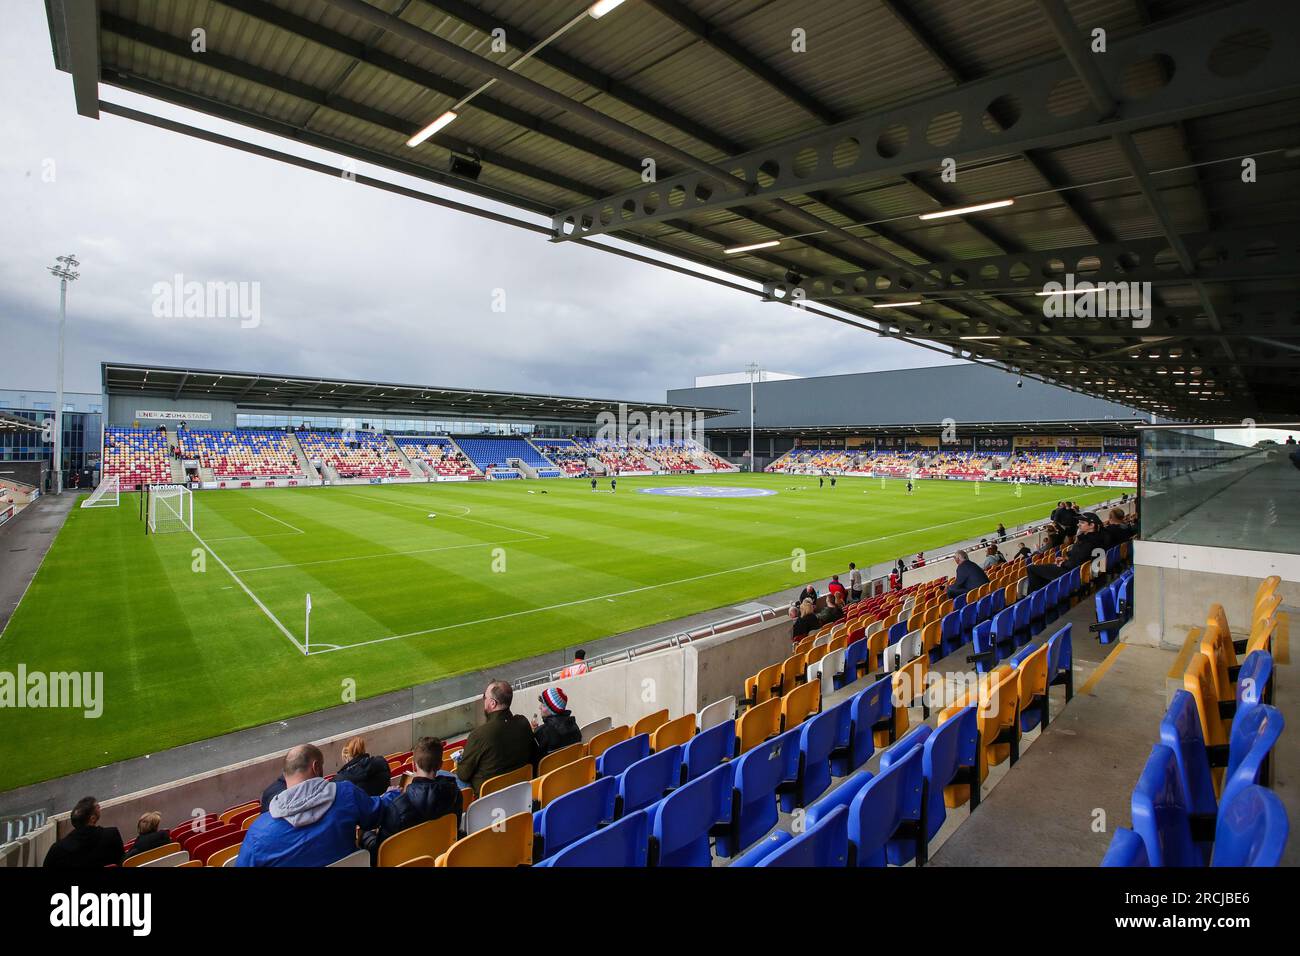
[807,620]
[148,836]
[368,772]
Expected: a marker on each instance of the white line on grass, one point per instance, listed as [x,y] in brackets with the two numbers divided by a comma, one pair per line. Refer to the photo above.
[387,554]
[490,524]
[667,584]
[274,518]
[256,600]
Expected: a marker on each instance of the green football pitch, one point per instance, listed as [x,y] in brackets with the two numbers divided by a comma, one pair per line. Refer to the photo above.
[200,634]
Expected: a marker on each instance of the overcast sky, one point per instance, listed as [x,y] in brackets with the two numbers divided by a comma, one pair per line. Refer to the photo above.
[353,282]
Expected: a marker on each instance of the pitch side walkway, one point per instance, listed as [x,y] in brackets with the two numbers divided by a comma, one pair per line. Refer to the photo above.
[24,541]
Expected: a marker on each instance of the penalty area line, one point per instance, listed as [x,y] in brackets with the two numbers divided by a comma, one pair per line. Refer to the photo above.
[247,590]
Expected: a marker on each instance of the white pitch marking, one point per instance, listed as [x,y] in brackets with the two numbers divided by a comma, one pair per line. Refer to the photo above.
[490,524]
[256,600]
[698,577]
[386,554]
[283,522]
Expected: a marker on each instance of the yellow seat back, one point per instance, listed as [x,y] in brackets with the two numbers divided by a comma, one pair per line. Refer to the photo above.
[1267,588]
[157,853]
[837,643]
[801,703]
[816,654]
[678,731]
[652,722]
[957,794]
[1031,676]
[1217,648]
[758,688]
[236,811]
[931,635]
[509,779]
[558,758]
[758,723]
[511,844]
[564,779]
[1266,608]
[431,838]
[598,744]
[1261,635]
[418,861]
[221,856]
[1000,702]
[791,669]
[1198,680]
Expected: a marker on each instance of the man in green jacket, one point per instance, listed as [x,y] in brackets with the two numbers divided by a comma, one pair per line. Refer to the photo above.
[504,742]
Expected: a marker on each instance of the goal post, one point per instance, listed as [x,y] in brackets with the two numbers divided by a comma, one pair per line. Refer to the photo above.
[171,508]
[106,494]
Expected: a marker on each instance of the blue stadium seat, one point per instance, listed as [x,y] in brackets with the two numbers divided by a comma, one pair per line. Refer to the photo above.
[896,632]
[1037,612]
[959,602]
[950,637]
[759,774]
[569,818]
[951,756]
[1124,595]
[761,850]
[1020,620]
[1105,605]
[706,750]
[1160,815]
[969,618]
[872,709]
[682,822]
[1051,601]
[984,608]
[855,662]
[984,647]
[622,755]
[997,601]
[1252,830]
[817,737]
[647,780]
[624,843]
[823,844]
[1004,633]
[885,815]
[1060,660]
[1126,849]
[1180,731]
[1254,681]
[1253,737]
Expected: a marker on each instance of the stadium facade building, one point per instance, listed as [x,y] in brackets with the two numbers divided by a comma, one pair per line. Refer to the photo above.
[966,407]
[83,421]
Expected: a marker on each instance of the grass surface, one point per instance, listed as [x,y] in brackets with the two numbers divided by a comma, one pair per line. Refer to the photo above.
[400,599]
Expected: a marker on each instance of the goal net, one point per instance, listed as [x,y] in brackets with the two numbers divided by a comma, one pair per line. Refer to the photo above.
[171,508]
[105,494]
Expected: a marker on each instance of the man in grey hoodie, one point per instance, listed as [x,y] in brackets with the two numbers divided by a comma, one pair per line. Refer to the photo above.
[313,822]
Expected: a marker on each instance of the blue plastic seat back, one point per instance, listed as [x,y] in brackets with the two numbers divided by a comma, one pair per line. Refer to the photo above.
[896,631]
[1252,739]
[569,818]
[880,807]
[1159,812]
[1180,731]
[623,843]
[1021,620]
[1252,829]
[914,739]
[843,720]
[950,631]
[825,843]
[984,609]
[841,796]
[1060,652]
[759,772]
[1126,849]
[1105,604]
[1252,680]
[706,750]
[1124,594]
[816,741]
[682,820]
[969,618]
[650,778]
[982,641]
[622,755]
[762,849]
[870,707]
[1004,625]
[855,656]
[1076,581]
[959,602]
[1019,656]
[997,601]
[1037,611]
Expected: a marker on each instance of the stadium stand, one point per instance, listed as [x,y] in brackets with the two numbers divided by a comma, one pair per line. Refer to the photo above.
[566,454]
[494,455]
[136,456]
[245,453]
[439,453]
[359,454]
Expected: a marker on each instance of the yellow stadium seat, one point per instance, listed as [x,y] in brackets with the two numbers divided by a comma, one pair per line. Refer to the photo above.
[931,635]
[999,695]
[509,845]
[1267,588]
[759,723]
[758,688]
[1031,681]
[248,821]
[803,646]
[801,703]
[558,758]
[816,654]
[564,779]
[221,856]
[431,838]
[837,643]
[603,741]
[677,731]
[652,722]
[1261,635]
[418,861]
[1217,648]
[907,685]
[1198,680]
[188,863]
[503,780]
[157,853]
[236,811]
[792,668]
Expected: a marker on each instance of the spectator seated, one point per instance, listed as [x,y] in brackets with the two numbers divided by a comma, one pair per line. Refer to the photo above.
[136,456]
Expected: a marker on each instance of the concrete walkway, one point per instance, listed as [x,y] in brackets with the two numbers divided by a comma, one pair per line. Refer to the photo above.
[24,541]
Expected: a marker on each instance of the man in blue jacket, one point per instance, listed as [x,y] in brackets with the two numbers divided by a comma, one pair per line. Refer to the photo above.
[313,822]
[968,577]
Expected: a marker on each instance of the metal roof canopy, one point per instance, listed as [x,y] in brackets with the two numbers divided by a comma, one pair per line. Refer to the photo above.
[15,423]
[253,390]
[1124,166]
[1101,427]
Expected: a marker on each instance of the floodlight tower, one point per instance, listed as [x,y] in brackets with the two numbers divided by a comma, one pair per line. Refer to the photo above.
[754,371]
[64,270]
